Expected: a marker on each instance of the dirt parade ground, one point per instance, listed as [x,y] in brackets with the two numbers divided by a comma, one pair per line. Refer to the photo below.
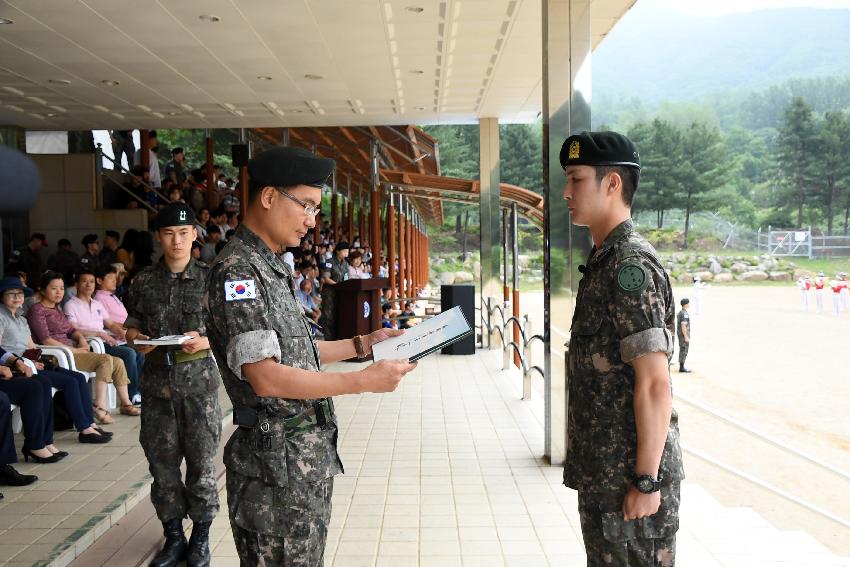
[759,362]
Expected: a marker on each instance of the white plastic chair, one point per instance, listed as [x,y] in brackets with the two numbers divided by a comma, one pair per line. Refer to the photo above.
[99,347]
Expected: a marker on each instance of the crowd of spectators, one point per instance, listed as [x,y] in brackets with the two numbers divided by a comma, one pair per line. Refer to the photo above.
[79,293]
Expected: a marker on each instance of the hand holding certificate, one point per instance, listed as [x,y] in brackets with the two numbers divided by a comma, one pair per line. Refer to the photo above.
[425,338]
[168,340]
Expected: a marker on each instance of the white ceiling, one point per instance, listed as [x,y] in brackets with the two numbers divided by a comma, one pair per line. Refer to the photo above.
[381,62]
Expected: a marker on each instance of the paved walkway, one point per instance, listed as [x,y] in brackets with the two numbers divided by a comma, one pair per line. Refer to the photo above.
[446,471]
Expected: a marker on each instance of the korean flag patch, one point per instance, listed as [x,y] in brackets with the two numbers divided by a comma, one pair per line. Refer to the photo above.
[237,290]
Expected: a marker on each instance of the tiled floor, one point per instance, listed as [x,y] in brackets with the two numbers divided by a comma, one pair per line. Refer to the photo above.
[75,500]
[445,471]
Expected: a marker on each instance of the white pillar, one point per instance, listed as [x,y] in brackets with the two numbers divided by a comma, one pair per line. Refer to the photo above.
[566,109]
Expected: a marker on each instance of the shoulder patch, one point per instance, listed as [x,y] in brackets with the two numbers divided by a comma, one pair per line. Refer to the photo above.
[632,277]
[238,290]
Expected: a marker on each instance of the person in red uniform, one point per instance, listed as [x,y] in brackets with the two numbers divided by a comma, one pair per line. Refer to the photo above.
[820,283]
[804,284]
[836,295]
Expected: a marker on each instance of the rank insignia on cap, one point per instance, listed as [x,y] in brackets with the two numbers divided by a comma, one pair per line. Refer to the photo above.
[632,278]
[575,148]
[238,290]
[182,215]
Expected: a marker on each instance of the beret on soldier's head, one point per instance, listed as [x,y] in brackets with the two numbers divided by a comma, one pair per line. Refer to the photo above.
[599,148]
[287,166]
[175,214]
[684,302]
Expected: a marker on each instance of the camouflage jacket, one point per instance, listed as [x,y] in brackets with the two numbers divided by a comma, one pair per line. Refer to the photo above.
[252,315]
[337,270]
[624,310]
[683,322]
[163,303]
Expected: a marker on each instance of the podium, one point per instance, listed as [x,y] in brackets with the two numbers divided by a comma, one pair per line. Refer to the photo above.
[358,304]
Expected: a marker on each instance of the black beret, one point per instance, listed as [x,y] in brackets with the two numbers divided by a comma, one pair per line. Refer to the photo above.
[287,166]
[89,239]
[599,148]
[175,214]
[685,301]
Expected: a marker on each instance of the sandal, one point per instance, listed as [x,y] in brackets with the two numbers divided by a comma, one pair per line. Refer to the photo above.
[102,416]
[130,409]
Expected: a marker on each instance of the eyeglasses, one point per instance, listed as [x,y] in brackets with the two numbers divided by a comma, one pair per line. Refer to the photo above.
[309,210]
[14,294]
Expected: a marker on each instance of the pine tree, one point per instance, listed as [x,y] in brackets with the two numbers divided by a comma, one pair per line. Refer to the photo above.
[797,147]
[834,164]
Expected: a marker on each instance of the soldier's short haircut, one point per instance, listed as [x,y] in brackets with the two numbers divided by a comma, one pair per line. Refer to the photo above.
[629,175]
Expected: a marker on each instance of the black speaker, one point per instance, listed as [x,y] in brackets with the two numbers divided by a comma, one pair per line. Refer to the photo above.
[240,153]
[464,296]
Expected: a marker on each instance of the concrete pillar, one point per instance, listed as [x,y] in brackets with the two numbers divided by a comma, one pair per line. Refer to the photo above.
[488,205]
[566,109]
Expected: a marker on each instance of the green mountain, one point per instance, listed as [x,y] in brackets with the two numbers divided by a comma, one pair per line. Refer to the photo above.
[660,55]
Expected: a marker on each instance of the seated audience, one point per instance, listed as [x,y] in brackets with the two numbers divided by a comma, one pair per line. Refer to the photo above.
[15,338]
[91,318]
[49,326]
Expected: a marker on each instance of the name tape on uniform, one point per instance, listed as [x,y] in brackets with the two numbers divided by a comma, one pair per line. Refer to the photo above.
[237,290]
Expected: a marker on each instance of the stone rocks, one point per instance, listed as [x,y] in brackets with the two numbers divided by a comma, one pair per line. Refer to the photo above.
[705,276]
[685,278]
[779,276]
[739,267]
[754,276]
[463,277]
[714,267]
[723,278]
[447,278]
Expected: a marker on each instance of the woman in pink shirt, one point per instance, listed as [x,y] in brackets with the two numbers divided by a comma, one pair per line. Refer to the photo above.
[50,327]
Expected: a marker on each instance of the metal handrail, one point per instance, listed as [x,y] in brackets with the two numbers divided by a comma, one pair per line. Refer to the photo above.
[125,170]
[522,350]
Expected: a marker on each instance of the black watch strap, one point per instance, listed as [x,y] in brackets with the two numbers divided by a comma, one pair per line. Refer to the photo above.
[646,484]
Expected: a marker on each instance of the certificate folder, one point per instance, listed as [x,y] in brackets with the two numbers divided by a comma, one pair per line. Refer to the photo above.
[427,337]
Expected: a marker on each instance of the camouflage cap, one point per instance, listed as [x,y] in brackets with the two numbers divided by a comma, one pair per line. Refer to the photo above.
[599,148]
[287,166]
[175,214]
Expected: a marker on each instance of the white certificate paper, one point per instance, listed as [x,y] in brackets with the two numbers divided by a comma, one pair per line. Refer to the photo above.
[425,338]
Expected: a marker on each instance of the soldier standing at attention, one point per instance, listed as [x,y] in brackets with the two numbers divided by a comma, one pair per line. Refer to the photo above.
[282,459]
[623,454]
[683,333]
[334,271]
[182,417]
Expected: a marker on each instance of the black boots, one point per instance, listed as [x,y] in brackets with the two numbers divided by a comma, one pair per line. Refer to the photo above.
[175,546]
[199,546]
[683,369]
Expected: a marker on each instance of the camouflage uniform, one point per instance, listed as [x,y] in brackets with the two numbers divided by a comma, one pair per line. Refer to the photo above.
[280,469]
[624,310]
[683,320]
[182,416]
[338,271]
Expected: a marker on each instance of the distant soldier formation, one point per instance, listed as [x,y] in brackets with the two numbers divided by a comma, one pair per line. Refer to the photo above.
[836,288]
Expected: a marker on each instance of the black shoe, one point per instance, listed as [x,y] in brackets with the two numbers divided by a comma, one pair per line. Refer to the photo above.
[93,438]
[174,549]
[43,460]
[61,454]
[103,432]
[684,370]
[198,554]
[10,477]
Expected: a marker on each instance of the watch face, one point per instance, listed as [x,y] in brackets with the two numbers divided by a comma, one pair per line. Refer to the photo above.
[645,485]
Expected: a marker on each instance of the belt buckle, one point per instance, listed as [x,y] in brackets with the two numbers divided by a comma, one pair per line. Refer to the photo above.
[265,427]
[169,358]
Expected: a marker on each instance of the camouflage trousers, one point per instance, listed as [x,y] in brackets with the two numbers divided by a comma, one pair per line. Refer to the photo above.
[288,529]
[328,319]
[595,509]
[683,352]
[177,429]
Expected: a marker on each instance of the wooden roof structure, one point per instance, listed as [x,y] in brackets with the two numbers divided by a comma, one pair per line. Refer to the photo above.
[405,149]
[438,188]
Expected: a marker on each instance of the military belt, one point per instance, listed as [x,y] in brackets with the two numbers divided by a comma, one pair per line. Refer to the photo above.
[319,414]
[173,357]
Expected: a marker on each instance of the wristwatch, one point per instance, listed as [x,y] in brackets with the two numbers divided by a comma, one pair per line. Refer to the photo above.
[646,484]
[358,347]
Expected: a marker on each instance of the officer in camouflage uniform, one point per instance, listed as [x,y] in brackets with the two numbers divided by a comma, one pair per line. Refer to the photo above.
[179,386]
[334,271]
[683,333]
[282,458]
[623,452]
